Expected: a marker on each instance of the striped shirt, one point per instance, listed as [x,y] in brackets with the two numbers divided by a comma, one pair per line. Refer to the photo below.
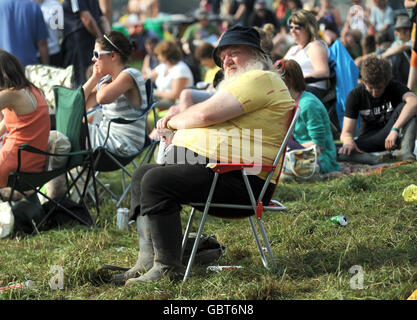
[124,139]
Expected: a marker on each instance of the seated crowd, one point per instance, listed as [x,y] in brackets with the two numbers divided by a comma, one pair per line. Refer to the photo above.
[205,87]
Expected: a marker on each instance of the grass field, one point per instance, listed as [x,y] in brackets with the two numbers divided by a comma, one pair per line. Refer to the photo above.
[373,257]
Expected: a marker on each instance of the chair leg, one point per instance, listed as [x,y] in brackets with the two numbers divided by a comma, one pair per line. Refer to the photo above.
[187,231]
[200,228]
[266,242]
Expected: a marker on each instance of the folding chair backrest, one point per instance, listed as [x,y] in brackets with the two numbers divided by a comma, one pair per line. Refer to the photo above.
[70,110]
[281,152]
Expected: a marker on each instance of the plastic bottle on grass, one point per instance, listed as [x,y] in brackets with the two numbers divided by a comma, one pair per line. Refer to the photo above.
[410,193]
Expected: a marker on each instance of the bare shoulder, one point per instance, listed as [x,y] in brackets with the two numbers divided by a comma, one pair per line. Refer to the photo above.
[10,98]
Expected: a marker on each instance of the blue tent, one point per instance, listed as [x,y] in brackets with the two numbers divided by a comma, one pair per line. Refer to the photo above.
[347,74]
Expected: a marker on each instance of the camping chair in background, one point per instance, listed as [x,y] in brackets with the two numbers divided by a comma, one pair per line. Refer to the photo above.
[70,112]
[256,204]
[106,161]
[45,78]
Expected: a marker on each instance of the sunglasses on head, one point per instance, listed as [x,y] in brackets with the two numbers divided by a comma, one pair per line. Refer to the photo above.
[281,67]
[298,28]
[97,54]
[280,64]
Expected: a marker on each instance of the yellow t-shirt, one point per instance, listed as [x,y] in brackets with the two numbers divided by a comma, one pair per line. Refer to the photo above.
[253,137]
[210,74]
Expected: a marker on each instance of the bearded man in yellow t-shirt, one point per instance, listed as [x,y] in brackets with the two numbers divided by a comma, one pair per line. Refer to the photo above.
[245,121]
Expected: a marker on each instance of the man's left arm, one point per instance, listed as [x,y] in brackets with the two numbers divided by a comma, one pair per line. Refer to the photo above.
[221,107]
[409,110]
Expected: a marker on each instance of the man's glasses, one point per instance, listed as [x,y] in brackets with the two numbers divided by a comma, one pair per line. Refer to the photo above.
[97,54]
[298,28]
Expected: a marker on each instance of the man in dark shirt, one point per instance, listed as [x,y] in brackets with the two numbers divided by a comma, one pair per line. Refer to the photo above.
[262,15]
[387,111]
[83,23]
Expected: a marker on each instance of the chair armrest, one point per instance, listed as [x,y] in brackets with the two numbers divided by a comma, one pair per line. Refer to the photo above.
[28,148]
[228,167]
[121,120]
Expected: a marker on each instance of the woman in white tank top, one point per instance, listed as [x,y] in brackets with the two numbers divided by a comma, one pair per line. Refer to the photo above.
[311,53]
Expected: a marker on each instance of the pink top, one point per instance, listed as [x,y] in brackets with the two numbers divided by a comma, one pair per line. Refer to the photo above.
[32,128]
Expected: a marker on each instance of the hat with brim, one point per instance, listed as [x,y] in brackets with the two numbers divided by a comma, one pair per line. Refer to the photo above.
[403,22]
[237,35]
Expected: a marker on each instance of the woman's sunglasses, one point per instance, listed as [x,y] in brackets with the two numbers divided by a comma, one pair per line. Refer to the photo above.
[97,54]
[298,28]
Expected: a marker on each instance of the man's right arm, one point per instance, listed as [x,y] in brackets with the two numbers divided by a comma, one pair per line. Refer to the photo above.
[347,137]
[349,125]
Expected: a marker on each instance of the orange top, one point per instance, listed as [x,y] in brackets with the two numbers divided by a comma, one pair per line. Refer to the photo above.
[32,128]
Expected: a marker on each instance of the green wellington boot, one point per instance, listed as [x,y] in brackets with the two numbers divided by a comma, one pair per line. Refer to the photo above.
[146,253]
[166,236]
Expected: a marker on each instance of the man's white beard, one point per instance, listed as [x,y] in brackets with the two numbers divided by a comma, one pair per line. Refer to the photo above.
[230,77]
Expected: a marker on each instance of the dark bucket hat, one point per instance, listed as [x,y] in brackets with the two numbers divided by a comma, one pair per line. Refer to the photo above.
[237,35]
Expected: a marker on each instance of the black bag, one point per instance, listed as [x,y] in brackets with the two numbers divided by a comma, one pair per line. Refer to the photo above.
[60,217]
[27,213]
[209,249]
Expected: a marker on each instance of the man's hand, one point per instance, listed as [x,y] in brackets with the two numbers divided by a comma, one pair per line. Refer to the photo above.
[172,111]
[390,141]
[165,135]
[348,147]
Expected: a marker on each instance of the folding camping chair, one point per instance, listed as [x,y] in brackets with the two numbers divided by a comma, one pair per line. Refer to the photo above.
[106,161]
[70,112]
[256,205]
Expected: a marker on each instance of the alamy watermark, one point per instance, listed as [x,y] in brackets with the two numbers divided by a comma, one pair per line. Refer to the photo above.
[356,282]
[357,16]
[56,17]
[226,146]
[57,281]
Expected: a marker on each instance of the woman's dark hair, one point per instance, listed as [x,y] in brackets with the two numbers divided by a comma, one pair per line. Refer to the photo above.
[12,72]
[118,42]
[291,74]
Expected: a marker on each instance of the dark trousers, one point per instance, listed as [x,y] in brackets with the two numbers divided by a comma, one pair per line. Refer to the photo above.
[162,189]
[374,140]
[78,51]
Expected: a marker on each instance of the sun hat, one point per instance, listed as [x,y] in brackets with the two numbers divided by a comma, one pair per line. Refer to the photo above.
[403,22]
[237,35]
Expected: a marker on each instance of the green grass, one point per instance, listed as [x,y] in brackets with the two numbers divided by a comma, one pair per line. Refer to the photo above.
[313,258]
